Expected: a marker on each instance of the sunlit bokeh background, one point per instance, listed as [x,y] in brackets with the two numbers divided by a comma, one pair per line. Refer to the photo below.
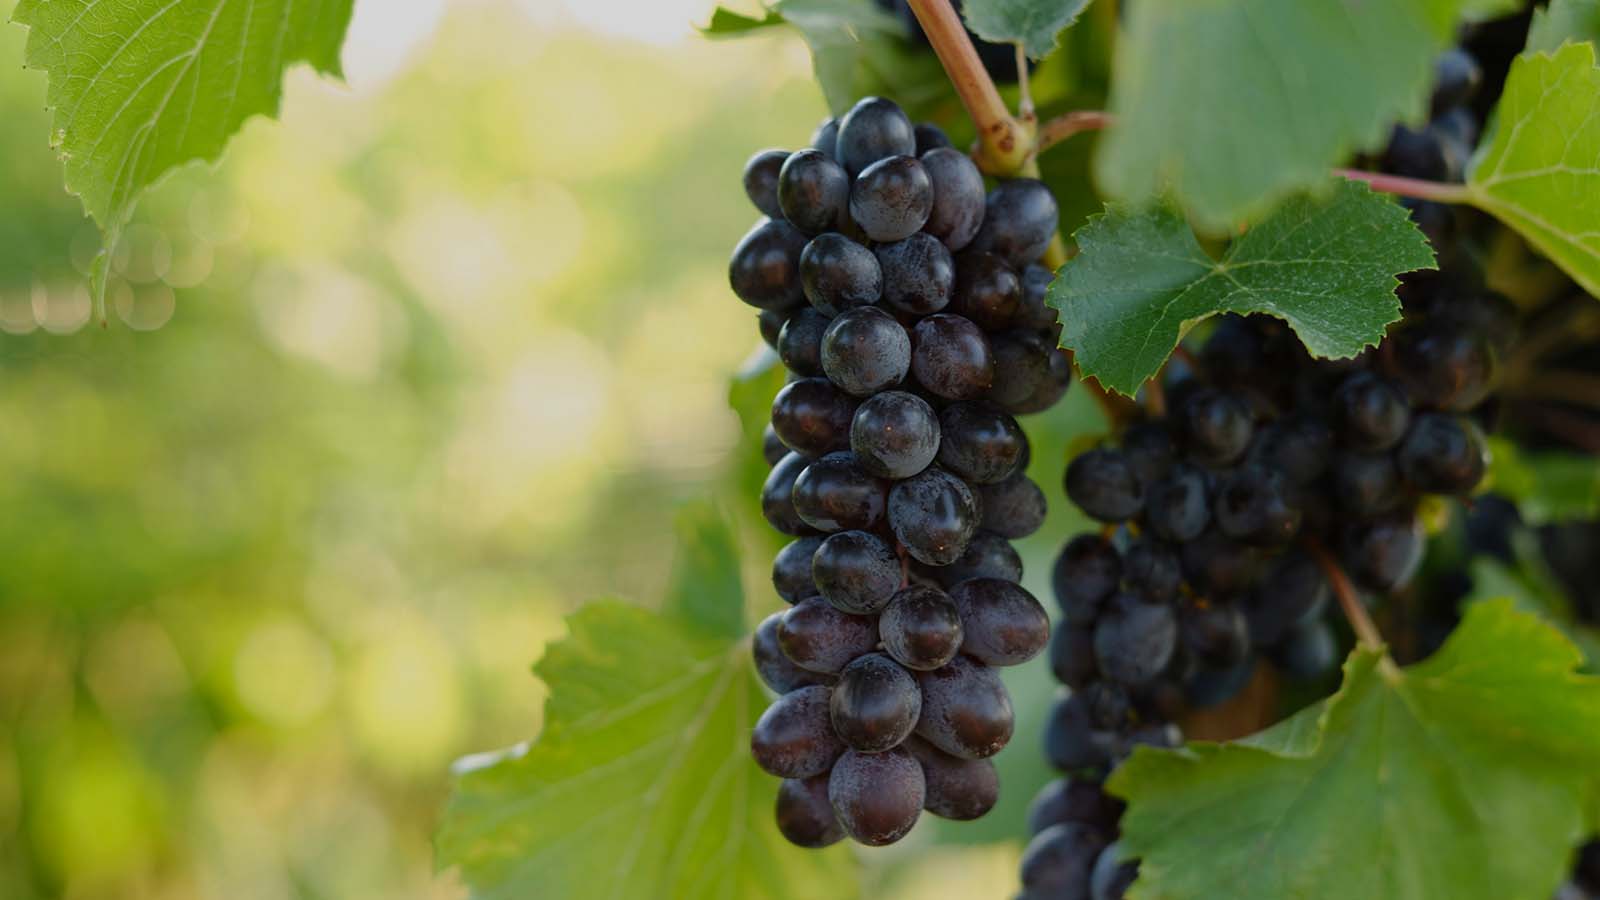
[413,374]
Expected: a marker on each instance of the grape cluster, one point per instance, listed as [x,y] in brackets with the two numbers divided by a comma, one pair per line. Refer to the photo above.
[1584,884]
[907,304]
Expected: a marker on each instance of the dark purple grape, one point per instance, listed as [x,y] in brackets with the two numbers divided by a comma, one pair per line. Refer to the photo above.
[921,628]
[1032,310]
[1053,388]
[805,815]
[1110,706]
[1013,508]
[813,192]
[1134,638]
[1291,593]
[770,322]
[1071,740]
[761,181]
[1442,366]
[966,711]
[1103,484]
[918,274]
[856,571]
[1176,507]
[865,351]
[1456,77]
[934,514]
[837,274]
[1001,623]
[826,138]
[877,797]
[988,556]
[1058,861]
[1030,374]
[987,291]
[873,129]
[1074,800]
[1086,572]
[960,789]
[951,358]
[772,448]
[1217,633]
[1111,877]
[1443,454]
[1150,450]
[1258,506]
[895,434]
[1369,413]
[835,493]
[777,494]
[1416,154]
[1383,554]
[1301,448]
[800,341]
[1308,652]
[958,201]
[791,569]
[776,670]
[1217,427]
[765,269]
[1072,655]
[892,198]
[1209,687]
[930,137]
[1218,566]
[1152,569]
[875,704]
[794,737]
[980,443]
[1019,219]
[817,637]
[812,416]
[1366,484]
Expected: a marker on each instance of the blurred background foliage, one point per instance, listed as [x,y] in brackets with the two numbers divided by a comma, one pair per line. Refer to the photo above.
[417,371]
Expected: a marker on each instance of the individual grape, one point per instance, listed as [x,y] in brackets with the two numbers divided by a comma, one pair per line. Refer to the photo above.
[1383,554]
[761,181]
[1059,370]
[1300,447]
[1152,569]
[812,416]
[1256,505]
[950,357]
[1134,638]
[988,556]
[794,738]
[1216,426]
[877,797]
[1071,741]
[805,815]
[791,569]
[1030,374]
[1216,565]
[1443,454]
[856,571]
[1058,861]
[1308,652]
[1001,623]
[1176,507]
[921,628]
[1292,592]
[826,138]
[966,711]
[1074,800]
[800,341]
[1072,655]
[958,197]
[1217,633]
[865,351]
[1207,686]
[875,704]
[934,514]
[1019,219]
[1369,413]
[817,637]
[1366,484]
[771,322]
[979,443]
[1086,572]
[892,198]
[813,192]
[960,789]
[837,274]
[835,493]
[772,448]
[929,137]
[1442,366]
[987,291]
[1415,154]
[1109,705]
[1013,508]
[1032,311]
[1103,484]
[1456,77]
[765,268]
[1150,450]
[918,274]
[895,434]
[1111,877]
[873,129]
[776,670]
[777,494]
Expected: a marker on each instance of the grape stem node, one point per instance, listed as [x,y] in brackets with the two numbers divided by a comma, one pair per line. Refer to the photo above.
[1068,124]
[1005,142]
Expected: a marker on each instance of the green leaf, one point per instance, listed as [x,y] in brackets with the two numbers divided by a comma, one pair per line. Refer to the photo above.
[705,590]
[726,22]
[1239,103]
[1533,590]
[139,89]
[1326,266]
[836,30]
[642,783]
[1540,171]
[1547,486]
[1562,21]
[1032,23]
[1459,777]
[1479,10]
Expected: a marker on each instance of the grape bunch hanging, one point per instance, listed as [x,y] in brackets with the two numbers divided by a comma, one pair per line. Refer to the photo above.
[906,301]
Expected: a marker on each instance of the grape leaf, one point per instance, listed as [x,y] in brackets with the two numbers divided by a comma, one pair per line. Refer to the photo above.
[1479,10]
[1325,265]
[1032,23]
[1564,20]
[726,22]
[139,89]
[1458,777]
[1532,589]
[1540,171]
[1239,103]
[641,785]
[1546,486]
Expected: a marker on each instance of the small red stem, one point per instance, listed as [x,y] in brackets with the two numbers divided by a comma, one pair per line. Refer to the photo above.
[1345,592]
[1417,188]
[1068,124]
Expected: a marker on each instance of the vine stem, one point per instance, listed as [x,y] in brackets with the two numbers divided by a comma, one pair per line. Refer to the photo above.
[1005,143]
[1068,124]
[1417,188]
[1345,592]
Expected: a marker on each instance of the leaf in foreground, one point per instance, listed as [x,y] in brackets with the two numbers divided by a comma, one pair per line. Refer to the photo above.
[1032,23]
[139,89]
[1461,777]
[1326,265]
[1540,171]
[1239,103]
[1564,20]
